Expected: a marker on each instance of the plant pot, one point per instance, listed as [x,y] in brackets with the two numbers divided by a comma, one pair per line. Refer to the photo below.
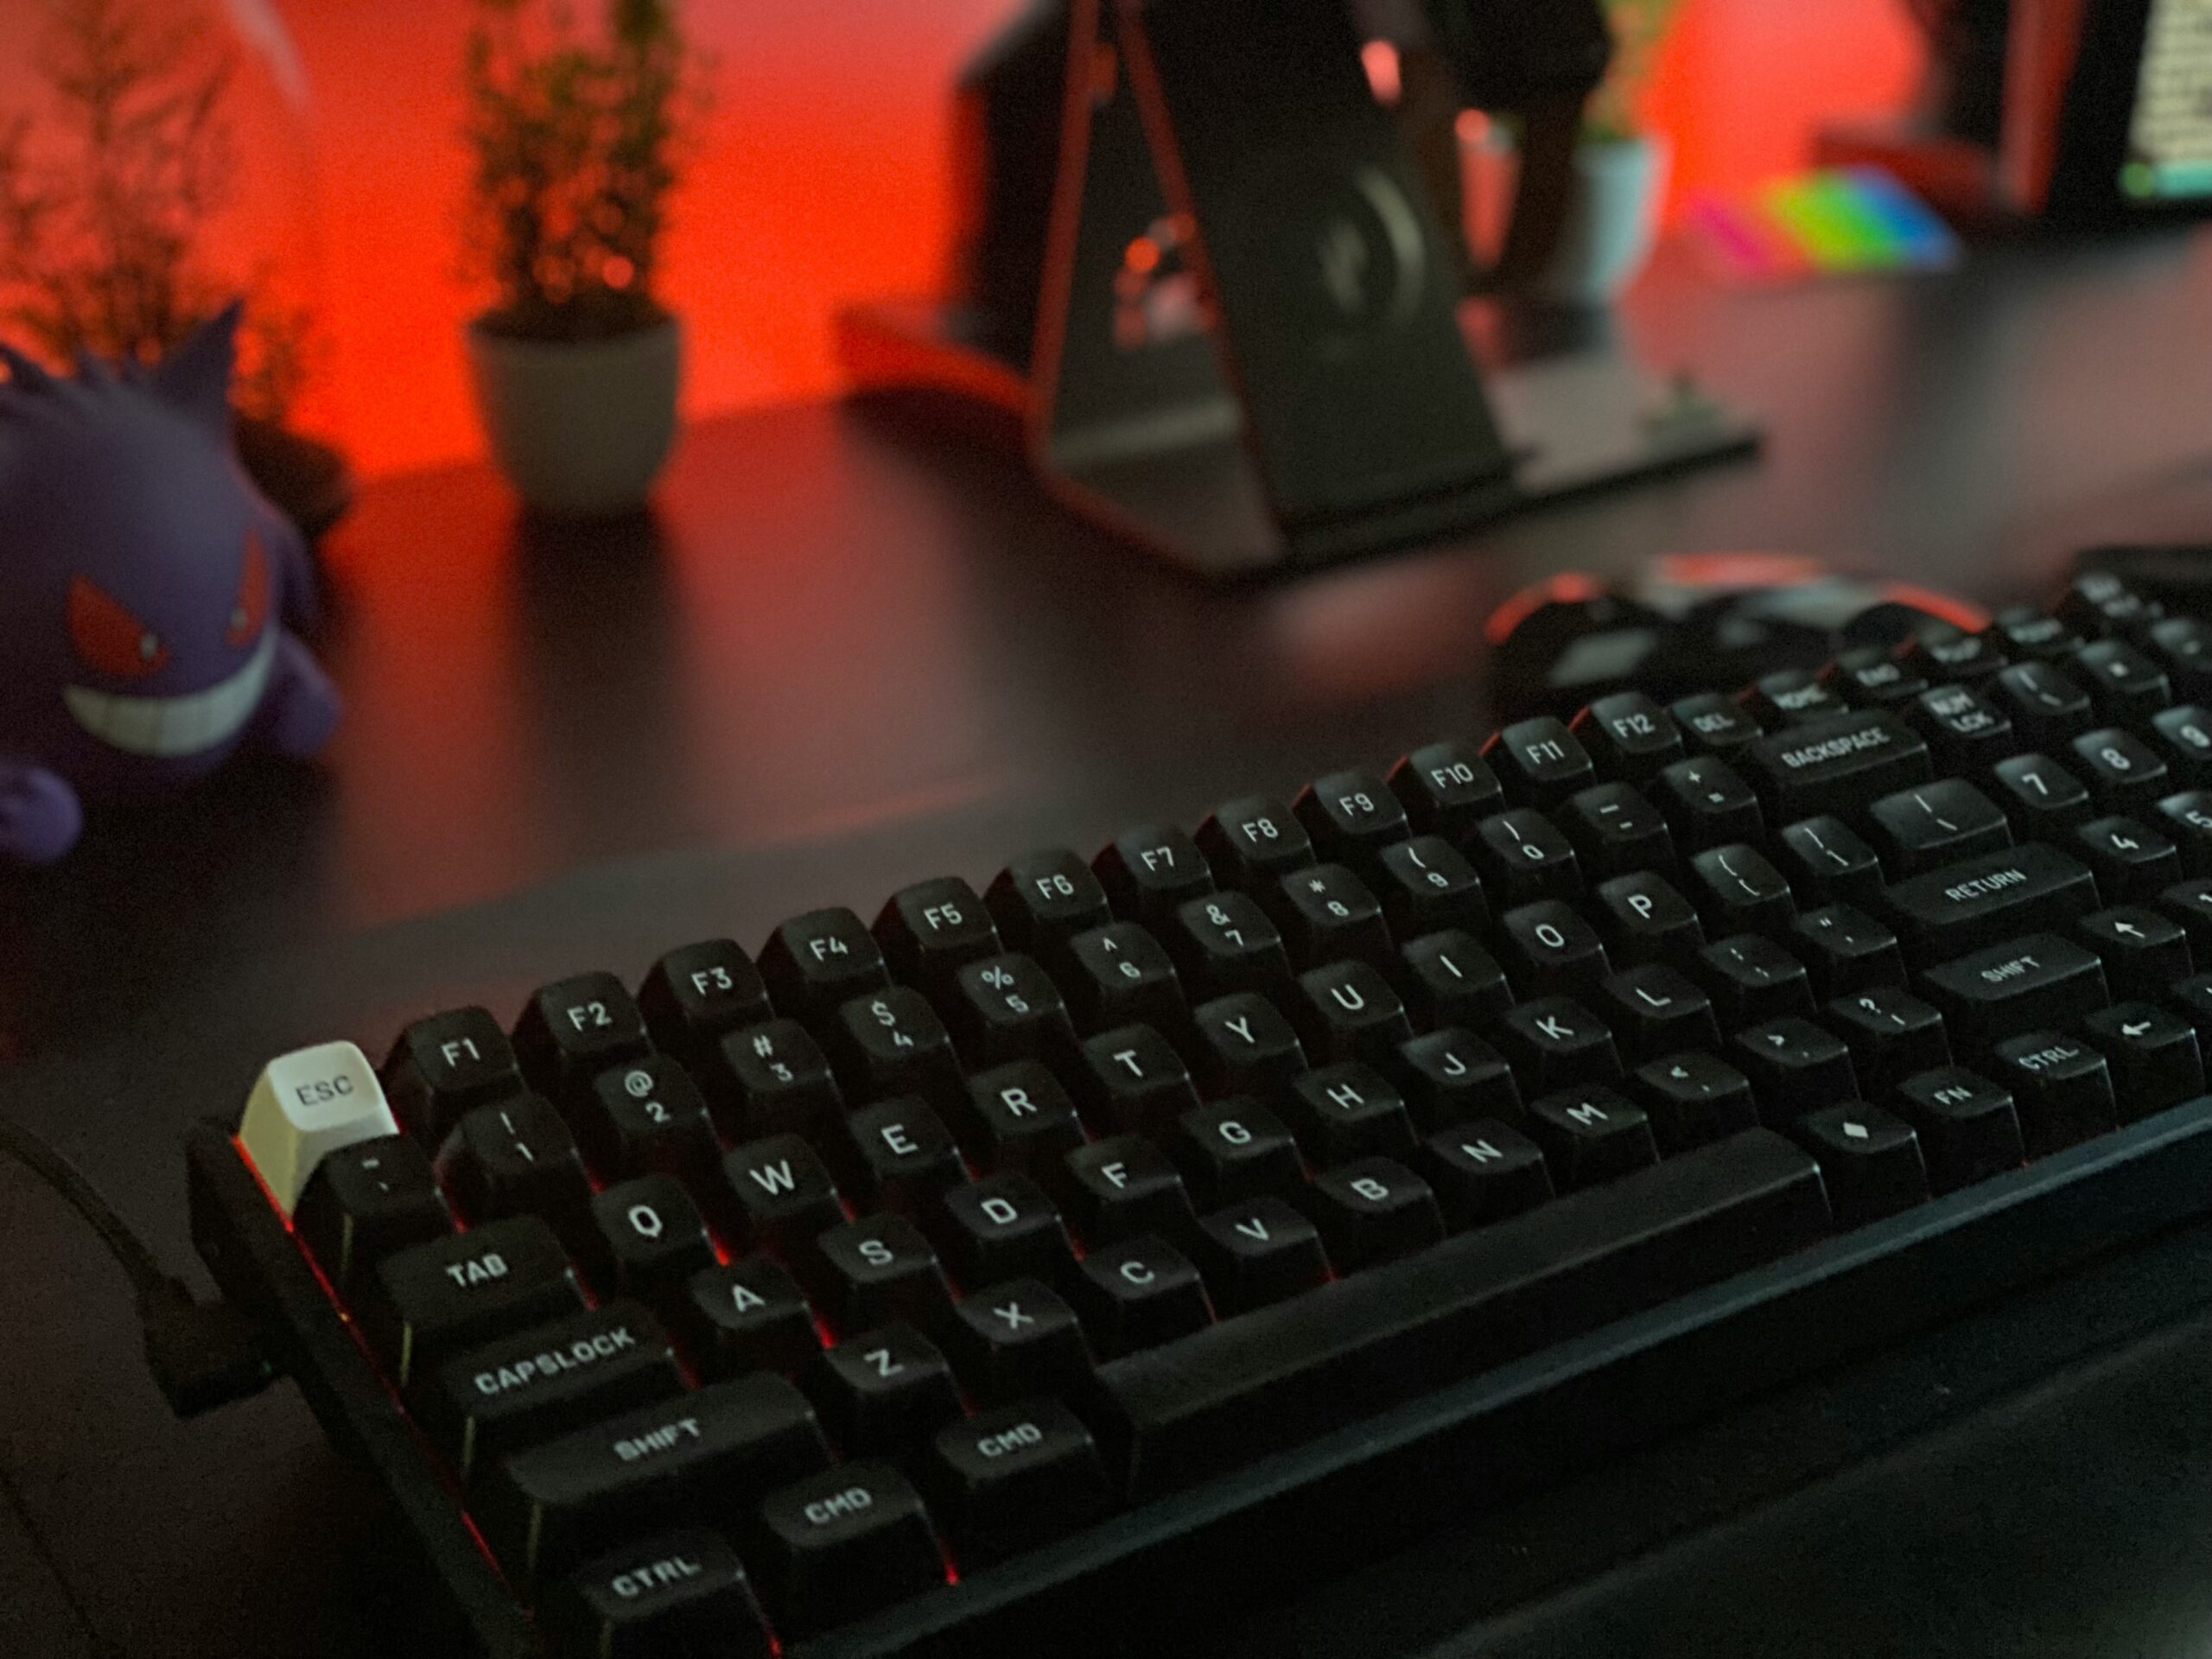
[1611,227]
[580,428]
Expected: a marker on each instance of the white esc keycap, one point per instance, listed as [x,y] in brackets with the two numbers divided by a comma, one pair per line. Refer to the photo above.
[307,1105]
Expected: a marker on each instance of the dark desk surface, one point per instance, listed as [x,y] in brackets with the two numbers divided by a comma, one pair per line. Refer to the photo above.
[844,655]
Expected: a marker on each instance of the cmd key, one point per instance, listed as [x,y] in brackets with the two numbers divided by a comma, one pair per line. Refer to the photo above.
[842,1544]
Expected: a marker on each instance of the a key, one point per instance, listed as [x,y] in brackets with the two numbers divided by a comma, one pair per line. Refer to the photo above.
[1869,1161]
[1645,919]
[1982,900]
[1252,842]
[1006,1007]
[1425,886]
[1539,762]
[1591,1133]
[1834,764]
[840,1545]
[572,1030]
[1554,1043]
[1229,1150]
[2038,980]
[1652,1009]
[1737,891]
[2129,860]
[1148,872]
[2043,800]
[1351,816]
[1138,1295]
[1016,1339]
[1692,1099]
[890,1042]
[745,1316]
[1348,1011]
[2143,952]
[1846,949]
[1548,949]
[1123,1187]
[816,963]
[1020,1117]
[305,1106]
[1523,857]
[1450,1076]
[648,1237]
[645,1117]
[697,994]
[367,1200]
[929,931]
[1447,789]
[1828,861]
[1002,1227]
[784,1196]
[1008,1479]
[1968,1128]
[672,1592]
[1793,696]
[1447,979]
[771,1079]
[877,1270]
[1616,831]
[1482,1171]
[1891,1034]
[433,1299]
[1707,803]
[1345,1111]
[1794,1068]
[1328,914]
[440,1067]
[2153,1057]
[1715,723]
[1752,979]
[1120,975]
[2060,1086]
[1935,824]
[1225,943]
[900,1156]
[699,1460]
[513,1159]
[1628,736]
[1131,1079]
[2124,773]
[1043,900]
[1259,1251]
[1244,1045]
[1373,1210]
[882,1393]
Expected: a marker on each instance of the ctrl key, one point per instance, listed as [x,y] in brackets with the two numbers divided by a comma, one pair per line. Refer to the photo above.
[681,1593]
[846,1542]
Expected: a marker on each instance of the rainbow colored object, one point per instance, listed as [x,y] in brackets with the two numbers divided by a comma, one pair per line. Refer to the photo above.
[1836,222]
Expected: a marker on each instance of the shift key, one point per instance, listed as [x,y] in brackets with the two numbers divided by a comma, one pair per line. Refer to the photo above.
[2026,984]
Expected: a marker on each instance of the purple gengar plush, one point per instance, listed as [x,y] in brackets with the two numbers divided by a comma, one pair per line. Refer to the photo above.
[144,582]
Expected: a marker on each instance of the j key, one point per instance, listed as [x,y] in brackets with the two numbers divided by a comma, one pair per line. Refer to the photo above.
[1004,1009]
[816,963]
[1835,764]
[1257,1252]
[1450,1077]
[1891,1033]
[2123,772]
[1347,1011]
[2043,800]
[1253,841]
[1446,790]
[2154,1057]
[1870,677]
[1328,914]
[1966,731]
[696,1460]
[696,994]
[1244,1045]
[487,1401]
[2129,860]
[1014,1339]
[2181,647]
[1997,993]
[745,1316]
[1002,1227]
[2046,708]
[513,1159]
[2184,737]
[1692,1099]
[469,1288]
[673,1592]
[1847,950]
[1123,1187]
[1990,897]
[1539,762]
[1653,1010]
[1751,978]
[1427,884]
[1794,696]
[874,1271]
[1548,949]
[892,1042]
[1591,1133]
[1555,1043]
[1226,942]
[1707,803]
[1132,1079]
[1351,817]
[571,1029]
[785,1198]
[932,930]
[1119,975]
[2187,819]
[1628,736]
[1483,1171]
[1828,861]
[1280,1375]
[1738,891]
[1449,980]
[1233,1149]
[1933,824]
[1645,919]
[648,1116]
[1137,1294]
[1794,1068]
[1616,830]
[770,1079]
[1149,871]
[648,1238]
[1006,1480]
[1948,653]
[2061,1087]
[2127,685]
[1968,1128]
[882,1393]
[1375,1210]
[2026,634]
[1715,724]
[1020,1117]
[842,1544]
[1346,1111]
[442,1067]
[901,1157]
[2143,952]
[2098,603]
[1869,1161]
[1523,857]
[1041,900]
[367,1200]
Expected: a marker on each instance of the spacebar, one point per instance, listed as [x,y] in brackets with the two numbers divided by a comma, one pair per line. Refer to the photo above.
[1280,1375]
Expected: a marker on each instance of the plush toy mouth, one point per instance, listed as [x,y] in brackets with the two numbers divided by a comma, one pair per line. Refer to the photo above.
[168,726]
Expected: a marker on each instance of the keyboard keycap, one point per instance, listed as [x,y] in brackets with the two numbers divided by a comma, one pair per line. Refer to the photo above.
[1796,1069]
[1119,975]
[2124,773]
[1991,897]
[366,1201]
[305,1106]
[747,1316]
[1446,790]
[2129,860]
[1796,696]
[1008,1479]
[1004,1009]
[440,1067]
[1591,1135]
[571,1030]
[1252,842]
[1965,731]
[1539,762]
[2061,1087]
[1015,1339]
[1235,1149]
[1737,891]
[674,1593]
[1483,1171]
[1846,949]
[1893,1035]
[784,1196]
[2154,1057]
[1138,1295]
[772,1079]
[1693,1100]
[515,1159]
[697,995]
[931,931]
[2126,684]
[1449,1076]
[1829,862]
[1020,1117]
[892,1042]
[1935,824]
[1707,803]
[1752,979]
[883,1393]
[2183,740]
[1345,1111]
[1042,900]
[1373,1210]
[1347,1011]
[1447,979]
[1133,1079]
[432,1300]
[1148,872]
[2044,799]
[2143,952]
[1327,914]
[1836,765]
[649,1238]
[1549,949]
[1123,1187]
[1715,723]
[1617,832]
[1554,1043]
[1629,736]
[816,963]
[2039,980]
[1257,1252]
[2046,707]
[1645,919]
[1654,1010]
[1427,887]
[1226,942]
[1968,1128]
[1243,1045]
[877,1270]
[842,1544]
[648,1117]
[1352,816]
[1869,1161]
[1002,1227]
[900,1156]
[1523,857]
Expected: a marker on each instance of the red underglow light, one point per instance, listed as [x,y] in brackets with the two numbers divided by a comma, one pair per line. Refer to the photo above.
[1380,60]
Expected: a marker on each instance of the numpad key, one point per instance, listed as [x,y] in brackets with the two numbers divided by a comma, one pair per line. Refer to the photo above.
[983,1279]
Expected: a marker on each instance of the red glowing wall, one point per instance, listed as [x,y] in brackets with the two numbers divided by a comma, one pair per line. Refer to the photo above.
[822,176]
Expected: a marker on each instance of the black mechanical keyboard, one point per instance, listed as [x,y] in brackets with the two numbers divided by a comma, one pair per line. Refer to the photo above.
[1000,1275]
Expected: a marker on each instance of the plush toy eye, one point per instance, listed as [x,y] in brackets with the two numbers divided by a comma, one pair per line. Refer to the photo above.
[251,609]
[109,637]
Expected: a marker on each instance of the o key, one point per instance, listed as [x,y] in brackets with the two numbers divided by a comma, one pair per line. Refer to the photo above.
[306,1106]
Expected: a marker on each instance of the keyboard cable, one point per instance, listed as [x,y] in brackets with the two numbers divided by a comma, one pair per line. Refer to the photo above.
[203,1355]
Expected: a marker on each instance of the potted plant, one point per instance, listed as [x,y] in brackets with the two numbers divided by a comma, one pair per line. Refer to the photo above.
[576,363]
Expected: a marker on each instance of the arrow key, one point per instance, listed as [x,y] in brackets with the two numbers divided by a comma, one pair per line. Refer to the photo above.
[2153,1057]
[1869,1161]
[2143,952]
